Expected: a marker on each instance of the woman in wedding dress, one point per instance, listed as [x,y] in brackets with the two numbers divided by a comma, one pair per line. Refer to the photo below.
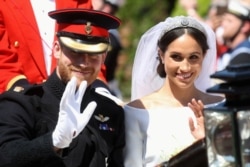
[173,62]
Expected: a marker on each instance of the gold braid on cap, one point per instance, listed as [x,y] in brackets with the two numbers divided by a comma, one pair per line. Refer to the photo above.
[80,46]
[183,22]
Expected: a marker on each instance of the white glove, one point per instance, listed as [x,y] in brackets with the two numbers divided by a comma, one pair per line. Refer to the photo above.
[104,92]
[71,121]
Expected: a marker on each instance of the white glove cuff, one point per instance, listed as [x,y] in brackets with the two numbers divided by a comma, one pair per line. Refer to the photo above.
[58,141]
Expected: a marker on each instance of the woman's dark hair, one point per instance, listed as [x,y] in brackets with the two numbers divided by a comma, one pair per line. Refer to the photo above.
[170,36]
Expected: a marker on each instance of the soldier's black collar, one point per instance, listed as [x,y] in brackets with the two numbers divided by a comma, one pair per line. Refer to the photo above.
[56,86]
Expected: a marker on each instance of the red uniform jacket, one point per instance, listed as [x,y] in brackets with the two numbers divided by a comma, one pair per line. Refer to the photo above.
[21,52]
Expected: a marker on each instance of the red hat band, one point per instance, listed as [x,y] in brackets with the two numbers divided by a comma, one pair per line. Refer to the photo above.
[86,29]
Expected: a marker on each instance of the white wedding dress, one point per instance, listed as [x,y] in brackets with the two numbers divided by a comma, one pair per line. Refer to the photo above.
[160,134]
[154,136]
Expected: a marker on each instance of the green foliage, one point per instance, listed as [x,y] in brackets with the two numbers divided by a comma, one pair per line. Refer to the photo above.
[140,16]
[202,9]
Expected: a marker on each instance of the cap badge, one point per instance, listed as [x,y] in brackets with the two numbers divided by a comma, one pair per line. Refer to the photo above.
[88,28]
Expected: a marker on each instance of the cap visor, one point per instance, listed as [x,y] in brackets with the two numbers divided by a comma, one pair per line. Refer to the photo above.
[83,47]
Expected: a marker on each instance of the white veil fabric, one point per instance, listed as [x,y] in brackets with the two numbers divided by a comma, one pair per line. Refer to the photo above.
[145,78]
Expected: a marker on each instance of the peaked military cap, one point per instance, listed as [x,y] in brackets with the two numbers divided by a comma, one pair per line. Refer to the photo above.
[84,30]
[239,9]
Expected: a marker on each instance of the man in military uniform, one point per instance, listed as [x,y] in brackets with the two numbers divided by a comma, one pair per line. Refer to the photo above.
[236,32]
[65,122]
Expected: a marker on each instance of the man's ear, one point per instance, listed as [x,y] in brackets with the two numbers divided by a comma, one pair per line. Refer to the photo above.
[56,49]
[104,55]
[246,27]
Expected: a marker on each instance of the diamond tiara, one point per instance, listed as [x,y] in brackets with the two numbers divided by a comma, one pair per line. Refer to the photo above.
[183,22]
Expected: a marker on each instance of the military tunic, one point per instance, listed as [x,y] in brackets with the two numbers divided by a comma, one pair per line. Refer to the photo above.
[28,118]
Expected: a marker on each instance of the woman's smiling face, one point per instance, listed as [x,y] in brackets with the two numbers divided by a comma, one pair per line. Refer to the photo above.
[183,61]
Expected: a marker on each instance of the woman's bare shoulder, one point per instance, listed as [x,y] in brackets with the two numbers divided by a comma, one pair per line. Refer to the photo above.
[153,100]
[142,102]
